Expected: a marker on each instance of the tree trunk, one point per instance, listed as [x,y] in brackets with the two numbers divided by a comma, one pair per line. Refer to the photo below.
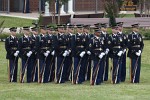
[60,4]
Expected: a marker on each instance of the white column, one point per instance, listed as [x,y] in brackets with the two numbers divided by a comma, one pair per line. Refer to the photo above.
[70,7]
[62,10]
[47,13]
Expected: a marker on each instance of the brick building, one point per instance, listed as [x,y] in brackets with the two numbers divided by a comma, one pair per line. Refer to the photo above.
[71,6]
[77,5]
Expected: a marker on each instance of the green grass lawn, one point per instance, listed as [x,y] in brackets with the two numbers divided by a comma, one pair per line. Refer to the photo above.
[15,22]
[67,91]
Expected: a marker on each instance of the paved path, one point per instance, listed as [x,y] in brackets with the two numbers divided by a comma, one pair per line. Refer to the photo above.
[22,15]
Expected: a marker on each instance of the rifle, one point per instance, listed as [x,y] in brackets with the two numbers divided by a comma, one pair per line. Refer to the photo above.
[70,70]
[86,74]
[91,71]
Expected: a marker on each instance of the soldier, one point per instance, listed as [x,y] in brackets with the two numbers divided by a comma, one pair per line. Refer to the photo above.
[78,52]
[123,69]
[105,37]
[43,51]
[25,49]
[70,32]
[116,52]
[11,46]
[50,63]
[97,49]
[87,35]
[62,51]
[34,63]
[135,46]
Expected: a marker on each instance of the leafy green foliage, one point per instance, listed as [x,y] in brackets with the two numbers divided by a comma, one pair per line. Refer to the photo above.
[112,10]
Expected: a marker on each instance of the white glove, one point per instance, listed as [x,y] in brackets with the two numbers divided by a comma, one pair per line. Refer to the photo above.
[124,50]
[88,52]
[138,54]
[17,51]
[82,54]
[107,50]
[119,53]
[69,51]
[53,53]
[45,54]
[15,54]
[65,54]
[140,51]
[103,53]
[48,51]
[28,54]
[100,56]
[65,51]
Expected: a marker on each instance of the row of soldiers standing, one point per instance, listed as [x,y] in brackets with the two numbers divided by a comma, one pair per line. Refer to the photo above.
[60,55]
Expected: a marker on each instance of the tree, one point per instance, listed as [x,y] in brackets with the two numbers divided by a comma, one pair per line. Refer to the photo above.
[144,6]
[1,26]
[60,2]
[112,8]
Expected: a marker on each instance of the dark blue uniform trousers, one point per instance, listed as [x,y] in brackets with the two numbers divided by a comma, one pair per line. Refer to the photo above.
[61,69]
[135,69]
[41,69]
[79,70]
[34,70]
[97,74]
[12,69]
[106,68]
[26,66]
[123,69]
[116,72]
[49,69]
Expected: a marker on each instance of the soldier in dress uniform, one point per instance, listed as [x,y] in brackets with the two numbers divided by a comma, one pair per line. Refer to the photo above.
[105,37]
[135,46]
[43,51]
[50,63]
[123,69]
[62,51]
[25,48]
[34,63]
[87,35]
[70,33]
[97,49]
[78,52]
[11,46]
[116,52]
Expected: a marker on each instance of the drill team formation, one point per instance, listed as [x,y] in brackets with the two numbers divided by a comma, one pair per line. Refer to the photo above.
[74,53]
